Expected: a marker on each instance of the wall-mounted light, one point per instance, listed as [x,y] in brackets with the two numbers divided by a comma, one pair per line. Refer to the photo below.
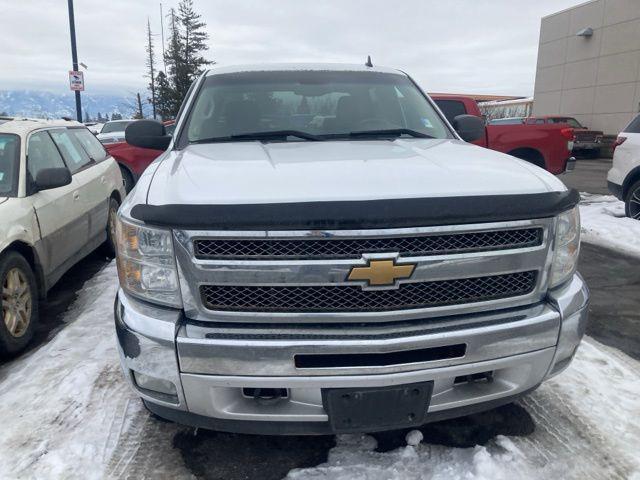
[585,32]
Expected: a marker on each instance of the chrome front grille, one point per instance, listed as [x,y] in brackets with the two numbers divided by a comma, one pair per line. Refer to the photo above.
[353,298]
[328,248]
[270,277]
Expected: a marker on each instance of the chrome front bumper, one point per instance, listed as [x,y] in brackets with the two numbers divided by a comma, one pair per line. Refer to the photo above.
[210,365]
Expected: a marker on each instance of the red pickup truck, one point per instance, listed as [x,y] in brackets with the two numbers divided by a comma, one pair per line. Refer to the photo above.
[547,146]
[133,160]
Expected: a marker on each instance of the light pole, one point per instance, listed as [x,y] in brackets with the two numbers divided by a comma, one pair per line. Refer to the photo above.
[74,57]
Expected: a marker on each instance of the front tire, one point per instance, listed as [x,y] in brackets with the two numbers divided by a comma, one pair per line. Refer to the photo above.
[109,246]
[632,201]
[19,304]
[127,179]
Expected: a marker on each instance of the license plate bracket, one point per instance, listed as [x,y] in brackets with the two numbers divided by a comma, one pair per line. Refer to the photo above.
[373,409]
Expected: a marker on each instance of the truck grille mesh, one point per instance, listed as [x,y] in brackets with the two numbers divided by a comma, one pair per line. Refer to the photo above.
[353,298]
[585,136]
[354,248]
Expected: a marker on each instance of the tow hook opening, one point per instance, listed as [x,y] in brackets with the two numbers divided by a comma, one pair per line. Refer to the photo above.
[474,378]
[265,393]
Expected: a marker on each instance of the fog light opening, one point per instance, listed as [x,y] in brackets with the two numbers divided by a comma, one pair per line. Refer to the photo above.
[483,377]
[155,385]
[265,393]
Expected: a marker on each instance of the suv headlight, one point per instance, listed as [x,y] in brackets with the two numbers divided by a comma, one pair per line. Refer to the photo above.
[566,247]
[146,263]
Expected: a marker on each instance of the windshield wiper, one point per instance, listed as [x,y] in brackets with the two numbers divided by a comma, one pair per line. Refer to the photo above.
[390,132]
[266,135]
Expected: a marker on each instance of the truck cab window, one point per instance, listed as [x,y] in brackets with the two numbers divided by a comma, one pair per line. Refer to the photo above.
[451,108]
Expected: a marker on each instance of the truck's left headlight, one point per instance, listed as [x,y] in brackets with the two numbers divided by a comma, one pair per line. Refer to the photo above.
[566,247]
[146,263]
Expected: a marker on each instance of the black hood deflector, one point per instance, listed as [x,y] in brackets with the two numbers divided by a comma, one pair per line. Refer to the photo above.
[355,215]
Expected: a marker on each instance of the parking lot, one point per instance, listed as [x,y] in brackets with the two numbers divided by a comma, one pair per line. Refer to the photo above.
[85,419]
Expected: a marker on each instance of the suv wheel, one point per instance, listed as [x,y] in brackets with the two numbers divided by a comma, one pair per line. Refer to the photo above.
[109,246]
[19,304]
[632,201]
[127,179]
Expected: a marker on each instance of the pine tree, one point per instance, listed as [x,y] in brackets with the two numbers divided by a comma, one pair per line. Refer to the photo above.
[183,58]
[151,69]
[194,40]
[165,97]
[175,59]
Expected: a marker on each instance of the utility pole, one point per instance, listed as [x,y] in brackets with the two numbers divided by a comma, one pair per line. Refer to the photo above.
[74,57]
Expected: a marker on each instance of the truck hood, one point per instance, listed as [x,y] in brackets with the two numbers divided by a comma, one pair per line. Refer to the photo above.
[258,173]
[3,199]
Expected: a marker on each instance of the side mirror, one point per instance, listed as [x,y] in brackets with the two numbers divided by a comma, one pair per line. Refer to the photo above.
[147,134]
[469,127]
[49,178]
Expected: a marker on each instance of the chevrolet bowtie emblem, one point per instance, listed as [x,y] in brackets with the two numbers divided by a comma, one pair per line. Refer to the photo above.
[381,272]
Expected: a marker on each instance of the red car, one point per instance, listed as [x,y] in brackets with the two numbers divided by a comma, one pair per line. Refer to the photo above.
[546,145]
[134,160]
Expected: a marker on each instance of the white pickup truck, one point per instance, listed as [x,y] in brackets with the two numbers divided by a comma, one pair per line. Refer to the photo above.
[319,251]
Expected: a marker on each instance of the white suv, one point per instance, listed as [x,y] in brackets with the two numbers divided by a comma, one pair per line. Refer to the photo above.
[59,193]
[624,177]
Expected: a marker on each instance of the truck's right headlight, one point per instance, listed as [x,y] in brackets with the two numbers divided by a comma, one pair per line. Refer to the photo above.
[566,247]
[146,263]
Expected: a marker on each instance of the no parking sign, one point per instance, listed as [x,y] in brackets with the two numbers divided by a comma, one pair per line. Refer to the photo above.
[76,81]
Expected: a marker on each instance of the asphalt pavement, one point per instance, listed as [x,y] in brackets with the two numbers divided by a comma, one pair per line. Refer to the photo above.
[590,175]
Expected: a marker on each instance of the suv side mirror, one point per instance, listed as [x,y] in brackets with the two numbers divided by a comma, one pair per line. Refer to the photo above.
[469,127]
[49,178]
[147,134]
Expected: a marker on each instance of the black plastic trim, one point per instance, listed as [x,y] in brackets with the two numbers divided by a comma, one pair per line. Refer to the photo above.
[304,428]
[393,213]
[403,357]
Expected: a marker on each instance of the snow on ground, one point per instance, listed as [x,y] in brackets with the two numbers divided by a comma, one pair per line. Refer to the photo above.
[604,223]
[66,412]
[65,408]
[586,428]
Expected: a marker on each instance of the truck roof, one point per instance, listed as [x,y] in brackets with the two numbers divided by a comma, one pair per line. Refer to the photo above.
[277,67]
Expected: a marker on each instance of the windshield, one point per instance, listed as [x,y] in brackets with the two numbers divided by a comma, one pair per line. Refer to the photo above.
[306,105]
[9,155]
[572,122]
[118,126]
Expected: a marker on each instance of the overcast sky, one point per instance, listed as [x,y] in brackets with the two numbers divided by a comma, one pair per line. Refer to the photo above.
[476,46]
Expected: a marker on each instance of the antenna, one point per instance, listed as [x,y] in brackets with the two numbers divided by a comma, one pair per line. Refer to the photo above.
[368,64]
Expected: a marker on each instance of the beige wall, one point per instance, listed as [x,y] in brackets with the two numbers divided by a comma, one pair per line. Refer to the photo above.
[597,79]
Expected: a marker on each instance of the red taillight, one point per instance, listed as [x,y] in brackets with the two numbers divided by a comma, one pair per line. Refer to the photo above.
[567,133]
[619,141]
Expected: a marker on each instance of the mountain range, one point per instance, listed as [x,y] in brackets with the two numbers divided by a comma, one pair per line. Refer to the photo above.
[45,104]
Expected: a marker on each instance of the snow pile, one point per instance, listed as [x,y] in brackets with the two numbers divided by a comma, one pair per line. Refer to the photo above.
[355,457]
[604,223]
